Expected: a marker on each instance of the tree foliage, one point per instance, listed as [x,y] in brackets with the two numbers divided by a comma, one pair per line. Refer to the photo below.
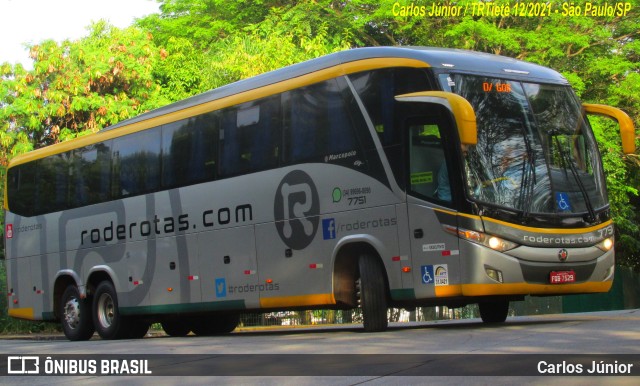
[77,87]
[191,46]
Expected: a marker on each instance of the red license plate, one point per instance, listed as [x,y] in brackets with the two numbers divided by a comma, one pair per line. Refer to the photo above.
[560,277]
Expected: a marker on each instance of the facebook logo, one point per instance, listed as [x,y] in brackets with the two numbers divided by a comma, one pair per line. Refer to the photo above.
[328,228]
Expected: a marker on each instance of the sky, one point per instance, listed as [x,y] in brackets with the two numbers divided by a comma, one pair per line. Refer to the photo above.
[32,21]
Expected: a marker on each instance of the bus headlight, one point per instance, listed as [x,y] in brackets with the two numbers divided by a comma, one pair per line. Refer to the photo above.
[493,242]
[606,244]
[498,244]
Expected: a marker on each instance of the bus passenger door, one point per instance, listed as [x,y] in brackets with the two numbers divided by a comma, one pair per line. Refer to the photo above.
[435,251]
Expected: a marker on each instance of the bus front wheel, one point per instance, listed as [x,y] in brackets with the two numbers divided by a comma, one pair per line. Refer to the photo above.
[75,314]
[494,312]
[372,294]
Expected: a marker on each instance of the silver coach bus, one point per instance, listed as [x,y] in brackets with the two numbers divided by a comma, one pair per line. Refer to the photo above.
[375,177]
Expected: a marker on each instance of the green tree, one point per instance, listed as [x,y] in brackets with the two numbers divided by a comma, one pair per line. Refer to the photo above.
[600,56]
[219,42]
[77,87]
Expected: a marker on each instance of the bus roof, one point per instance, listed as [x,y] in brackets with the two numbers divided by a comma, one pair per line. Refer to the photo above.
[453,60]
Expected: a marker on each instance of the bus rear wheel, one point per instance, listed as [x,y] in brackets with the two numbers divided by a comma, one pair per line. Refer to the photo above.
[494,312]
[175,327]
[215,324]
[372,294]
[138,329]
[75,314]
[106,315]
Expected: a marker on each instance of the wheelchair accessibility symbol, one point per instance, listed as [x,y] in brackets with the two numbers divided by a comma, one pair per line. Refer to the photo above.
[562,199]
[427,274]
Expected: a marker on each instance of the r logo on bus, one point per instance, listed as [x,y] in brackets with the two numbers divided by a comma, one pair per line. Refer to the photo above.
[296,209]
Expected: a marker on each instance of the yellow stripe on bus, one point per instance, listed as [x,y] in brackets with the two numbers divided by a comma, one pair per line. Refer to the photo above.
[445,291]
[534,289]
[217,104]
[550,230]
[297,301]
[529,229]
[22,313]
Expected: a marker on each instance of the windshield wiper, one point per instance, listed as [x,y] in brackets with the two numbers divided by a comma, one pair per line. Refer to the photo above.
[567,161]
[528,179]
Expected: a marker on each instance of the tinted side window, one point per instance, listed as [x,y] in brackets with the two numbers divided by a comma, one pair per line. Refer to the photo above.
[318,123]
[189,151]
[377,90]
[22,189]
[53,183]
[90,175]
[250,137]
[136,163]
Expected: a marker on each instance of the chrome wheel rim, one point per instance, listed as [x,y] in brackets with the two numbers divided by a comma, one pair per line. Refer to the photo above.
[106,310]
[72,313]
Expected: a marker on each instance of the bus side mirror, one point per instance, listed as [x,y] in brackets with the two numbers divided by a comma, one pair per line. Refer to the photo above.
[461,109]
[627,131]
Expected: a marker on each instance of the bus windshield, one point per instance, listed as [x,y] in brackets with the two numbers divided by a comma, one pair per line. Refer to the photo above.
[535,151]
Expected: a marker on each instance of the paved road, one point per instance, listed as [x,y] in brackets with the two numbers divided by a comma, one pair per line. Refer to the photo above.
[424,353]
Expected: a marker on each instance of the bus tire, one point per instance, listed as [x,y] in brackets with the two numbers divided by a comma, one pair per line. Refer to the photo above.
[106,316]
[215,324]
[372,294]
[494,312]
[175,328]
[227,323]
[137,328]
[75,315]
